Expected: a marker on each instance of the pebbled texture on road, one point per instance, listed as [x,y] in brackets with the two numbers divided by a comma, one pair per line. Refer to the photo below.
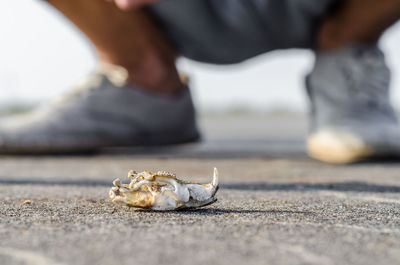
[270,211]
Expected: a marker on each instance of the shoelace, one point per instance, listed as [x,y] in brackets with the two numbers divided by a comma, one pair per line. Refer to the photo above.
[85,86]
[115,74]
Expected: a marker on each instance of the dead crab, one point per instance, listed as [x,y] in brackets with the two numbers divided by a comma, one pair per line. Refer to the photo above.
[163,191]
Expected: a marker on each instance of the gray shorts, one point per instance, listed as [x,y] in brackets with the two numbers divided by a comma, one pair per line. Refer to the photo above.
[230,31]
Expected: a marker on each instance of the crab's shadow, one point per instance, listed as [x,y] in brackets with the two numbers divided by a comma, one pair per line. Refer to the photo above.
[222,211]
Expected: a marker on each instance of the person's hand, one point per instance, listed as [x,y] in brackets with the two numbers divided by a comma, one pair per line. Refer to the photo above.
[130,4]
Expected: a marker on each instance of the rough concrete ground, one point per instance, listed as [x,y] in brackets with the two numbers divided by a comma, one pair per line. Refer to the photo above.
[275,205]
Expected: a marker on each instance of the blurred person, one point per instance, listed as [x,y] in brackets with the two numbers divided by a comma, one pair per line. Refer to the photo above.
[137,97]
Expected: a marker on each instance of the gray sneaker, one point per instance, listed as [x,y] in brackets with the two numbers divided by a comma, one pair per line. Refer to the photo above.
[351,115]
[102,111]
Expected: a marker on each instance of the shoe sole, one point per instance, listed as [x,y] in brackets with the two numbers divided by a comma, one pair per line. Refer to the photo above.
[337,147]
[92,148]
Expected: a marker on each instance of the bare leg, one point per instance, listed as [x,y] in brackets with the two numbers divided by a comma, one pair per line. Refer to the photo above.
[358,21]
[128,39]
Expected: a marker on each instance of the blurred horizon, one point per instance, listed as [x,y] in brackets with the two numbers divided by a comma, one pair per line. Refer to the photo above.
[43,55]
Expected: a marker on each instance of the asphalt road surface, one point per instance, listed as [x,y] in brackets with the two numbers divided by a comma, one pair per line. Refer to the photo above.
[275,205]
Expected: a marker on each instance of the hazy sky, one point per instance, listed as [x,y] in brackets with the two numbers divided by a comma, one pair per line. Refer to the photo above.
[42,55]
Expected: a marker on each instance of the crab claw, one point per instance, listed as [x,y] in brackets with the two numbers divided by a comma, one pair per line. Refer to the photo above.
[214,183]
[117,183]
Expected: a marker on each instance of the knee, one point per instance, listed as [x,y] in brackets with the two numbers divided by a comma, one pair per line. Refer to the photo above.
[361,21]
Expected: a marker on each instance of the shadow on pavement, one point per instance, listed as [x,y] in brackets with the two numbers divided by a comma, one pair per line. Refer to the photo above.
[244,186]
[221,149]
[84,183]
[354,186]
[220,211]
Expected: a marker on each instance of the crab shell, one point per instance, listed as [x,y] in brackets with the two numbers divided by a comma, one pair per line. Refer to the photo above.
[163,191]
